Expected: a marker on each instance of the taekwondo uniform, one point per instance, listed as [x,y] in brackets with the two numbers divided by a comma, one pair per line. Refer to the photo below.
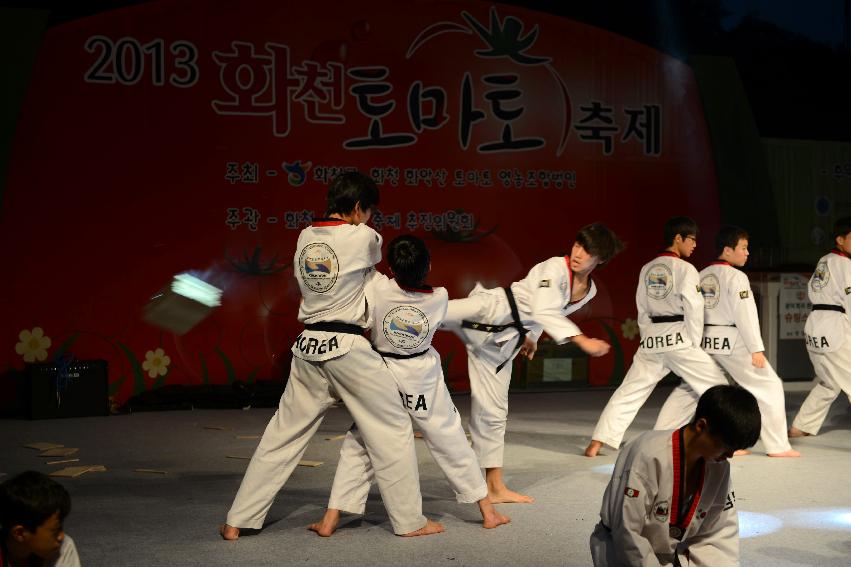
[493,323]
[403,323]
[332,360]
[647,519]
[730,335]
[828,335]
[670,320]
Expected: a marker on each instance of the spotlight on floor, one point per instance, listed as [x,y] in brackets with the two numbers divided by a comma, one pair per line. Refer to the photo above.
[754,524]
[604,469]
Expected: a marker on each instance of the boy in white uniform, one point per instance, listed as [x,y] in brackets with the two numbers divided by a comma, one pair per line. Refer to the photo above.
[670,501]
[731,336]
[670,319]
[496,324]
[828,332]
[332,360]
[405,312]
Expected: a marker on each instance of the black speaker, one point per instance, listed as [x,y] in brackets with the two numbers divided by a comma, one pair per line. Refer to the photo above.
[75,389]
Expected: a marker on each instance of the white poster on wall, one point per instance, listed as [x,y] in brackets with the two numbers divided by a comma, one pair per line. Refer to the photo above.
[795,305]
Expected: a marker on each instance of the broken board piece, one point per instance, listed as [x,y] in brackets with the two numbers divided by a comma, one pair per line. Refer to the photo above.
[59,452]
[63,461]
[305,463]
[336,437]
[150,471]
[74,472]
[41,446]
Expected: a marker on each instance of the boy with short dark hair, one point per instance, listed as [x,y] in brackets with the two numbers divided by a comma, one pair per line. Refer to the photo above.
[828,332]
[669,501]
[497,324]
[32,509]
[405,313]
[670,319]
[332,360]
[732,338]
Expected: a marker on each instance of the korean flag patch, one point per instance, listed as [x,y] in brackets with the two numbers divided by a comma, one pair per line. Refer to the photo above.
[544,283]
[630,492]
[744,294]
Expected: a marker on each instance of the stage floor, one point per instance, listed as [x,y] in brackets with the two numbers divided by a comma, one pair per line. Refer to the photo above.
[792,511]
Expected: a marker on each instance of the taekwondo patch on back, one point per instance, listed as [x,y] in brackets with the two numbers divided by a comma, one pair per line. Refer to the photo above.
[821,276]
[709,287]
[630,492]
[744,294]
[318,267]
[659,281]
[406,327]
[661,511]
[544,283]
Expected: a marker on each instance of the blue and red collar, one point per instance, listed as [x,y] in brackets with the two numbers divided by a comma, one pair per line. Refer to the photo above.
[839,252]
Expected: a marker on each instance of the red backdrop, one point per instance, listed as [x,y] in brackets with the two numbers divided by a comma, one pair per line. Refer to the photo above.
[186,136]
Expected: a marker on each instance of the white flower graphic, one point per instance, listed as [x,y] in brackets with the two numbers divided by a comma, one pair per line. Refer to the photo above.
[33,345]
[156,363]
[629,328]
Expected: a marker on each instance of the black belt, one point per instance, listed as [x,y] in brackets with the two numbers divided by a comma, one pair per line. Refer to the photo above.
[400,356]
[827,307]
[335,327]
[515,324]
[666,318]
[714,325]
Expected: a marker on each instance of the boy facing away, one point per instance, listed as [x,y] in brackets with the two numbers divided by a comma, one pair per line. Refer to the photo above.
[828,332]
[32,509]
[497,324]
[331,361]
[669,501]
[405,312]
[732,338]
[670,319]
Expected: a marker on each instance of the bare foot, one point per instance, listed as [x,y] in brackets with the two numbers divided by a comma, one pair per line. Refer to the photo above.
[795,432]
[490,517]
[741,453]
[789,453]
[229,532]
[593,448]
[328,524]
[505,496]
[430,528]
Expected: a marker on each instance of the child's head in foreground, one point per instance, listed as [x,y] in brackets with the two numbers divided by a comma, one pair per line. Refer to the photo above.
[727,419]
[32,509]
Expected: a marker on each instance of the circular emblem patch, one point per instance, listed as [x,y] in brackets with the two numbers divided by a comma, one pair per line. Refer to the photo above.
[659,281]
[710,288]
[821,276]
[405,327]
[318,267]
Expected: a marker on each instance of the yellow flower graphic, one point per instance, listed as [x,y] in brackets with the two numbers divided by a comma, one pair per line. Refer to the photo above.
[33,345]
[629,328]
[156,363]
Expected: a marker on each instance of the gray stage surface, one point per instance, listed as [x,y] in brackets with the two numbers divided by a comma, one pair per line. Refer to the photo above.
[793,511]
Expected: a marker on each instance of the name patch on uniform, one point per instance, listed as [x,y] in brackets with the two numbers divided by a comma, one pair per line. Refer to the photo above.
[544,283]
[731,501]
[662,341]
[744,294]
[630,492]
